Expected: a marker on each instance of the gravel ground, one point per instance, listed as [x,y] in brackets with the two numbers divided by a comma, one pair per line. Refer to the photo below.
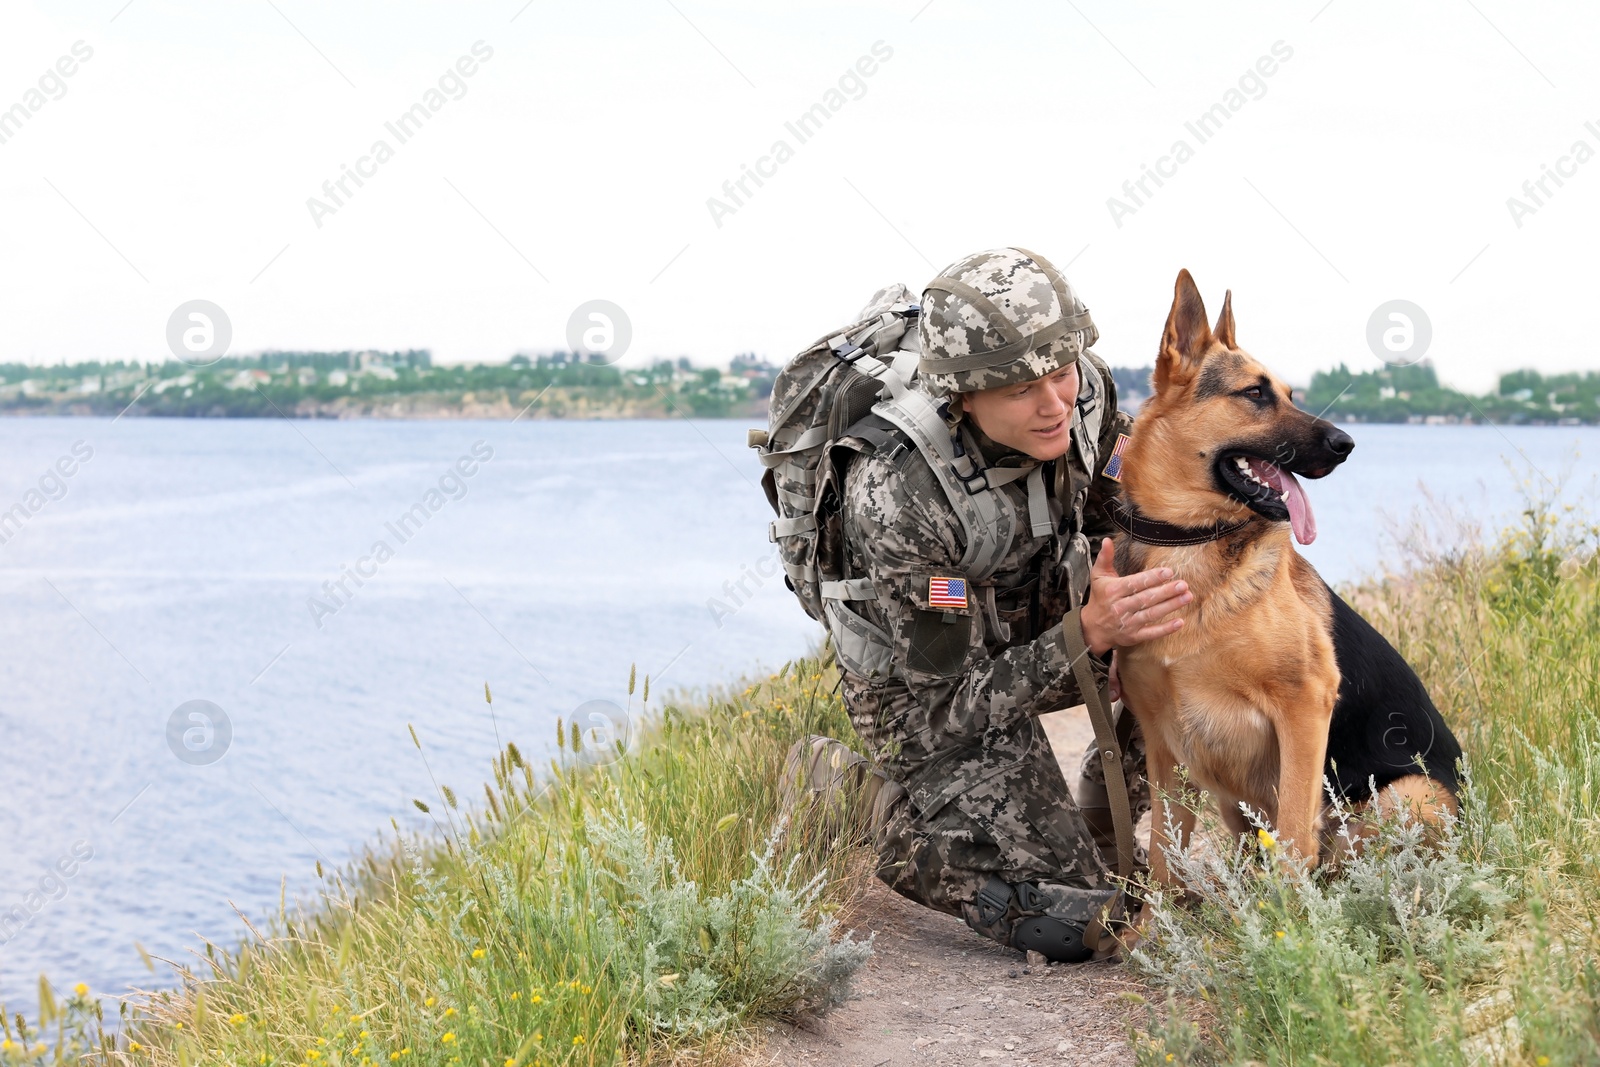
[935,993]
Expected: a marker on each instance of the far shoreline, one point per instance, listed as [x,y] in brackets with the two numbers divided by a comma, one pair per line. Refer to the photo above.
[504,411]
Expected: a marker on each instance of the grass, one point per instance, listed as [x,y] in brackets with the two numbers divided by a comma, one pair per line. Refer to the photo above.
[1481,951]
[593,913]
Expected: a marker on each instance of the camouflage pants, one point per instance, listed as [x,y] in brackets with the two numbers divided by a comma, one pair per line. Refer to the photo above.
[1021,824]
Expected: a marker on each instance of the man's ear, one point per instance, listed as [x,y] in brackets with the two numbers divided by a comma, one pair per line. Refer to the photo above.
[1187,337]
[1224,327]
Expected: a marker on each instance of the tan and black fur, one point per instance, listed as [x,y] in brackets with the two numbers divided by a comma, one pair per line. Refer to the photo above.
[1273,681]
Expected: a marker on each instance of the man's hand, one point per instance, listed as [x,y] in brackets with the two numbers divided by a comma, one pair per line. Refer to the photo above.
[1122,612]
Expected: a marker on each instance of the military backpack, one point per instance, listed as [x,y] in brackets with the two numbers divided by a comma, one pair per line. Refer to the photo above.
[869,368]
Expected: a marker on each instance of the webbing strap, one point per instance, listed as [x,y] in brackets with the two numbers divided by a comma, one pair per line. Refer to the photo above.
[816,435]
[799,572]
[789,527]
[998,476]
[797,501]
[1105,739]
[806,476]
[1038,504]
[893,384]
[996,357]
[849,589]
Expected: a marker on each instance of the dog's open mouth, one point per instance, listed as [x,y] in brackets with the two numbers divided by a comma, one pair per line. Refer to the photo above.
[1270,491]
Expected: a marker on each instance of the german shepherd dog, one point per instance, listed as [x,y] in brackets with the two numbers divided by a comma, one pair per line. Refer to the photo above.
[1273,681]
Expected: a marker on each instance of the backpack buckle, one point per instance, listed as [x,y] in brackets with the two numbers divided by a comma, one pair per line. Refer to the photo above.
[976,482]
[843,348]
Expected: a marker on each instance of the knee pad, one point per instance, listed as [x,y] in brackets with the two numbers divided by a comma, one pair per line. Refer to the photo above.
[1063,923]
[1058,940]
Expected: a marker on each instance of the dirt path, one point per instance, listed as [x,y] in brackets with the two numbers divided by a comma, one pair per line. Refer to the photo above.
[936,993]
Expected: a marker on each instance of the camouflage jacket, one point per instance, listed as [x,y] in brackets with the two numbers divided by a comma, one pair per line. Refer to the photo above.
[958,707]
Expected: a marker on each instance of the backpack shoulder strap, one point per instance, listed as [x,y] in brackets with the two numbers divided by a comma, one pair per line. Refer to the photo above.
[874,431]
[987,519]
[1093,403]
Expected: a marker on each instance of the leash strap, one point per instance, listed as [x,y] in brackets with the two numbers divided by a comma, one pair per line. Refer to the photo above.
[1105,739]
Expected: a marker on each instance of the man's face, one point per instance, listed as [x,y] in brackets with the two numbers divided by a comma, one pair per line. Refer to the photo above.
[1033,417]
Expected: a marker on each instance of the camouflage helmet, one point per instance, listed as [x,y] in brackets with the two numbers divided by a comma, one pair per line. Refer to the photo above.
[999,318]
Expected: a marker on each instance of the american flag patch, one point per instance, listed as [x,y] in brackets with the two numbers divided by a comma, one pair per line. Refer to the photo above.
[1114,464]
[947,592]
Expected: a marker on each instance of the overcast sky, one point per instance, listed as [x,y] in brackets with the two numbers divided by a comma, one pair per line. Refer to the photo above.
[576,162]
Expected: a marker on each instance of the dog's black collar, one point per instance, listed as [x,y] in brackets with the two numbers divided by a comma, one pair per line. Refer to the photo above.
[1166,534]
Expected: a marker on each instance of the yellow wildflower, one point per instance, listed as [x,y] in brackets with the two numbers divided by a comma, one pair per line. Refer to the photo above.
[515,995]
[588,989]
[1266,839]
[428,1003]
[577,1039]
[133,1046]
[1542,1061]
[236,1019]
[394,1055]
[536,999]
[322,1041]
[363,1033]
[448,1037]
[1279,935]
[81,989]
[313,1055]
[477,953]
[448,1012]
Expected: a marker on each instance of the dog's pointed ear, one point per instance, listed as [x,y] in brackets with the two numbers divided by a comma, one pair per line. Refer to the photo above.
[1224,328]
[1186,338]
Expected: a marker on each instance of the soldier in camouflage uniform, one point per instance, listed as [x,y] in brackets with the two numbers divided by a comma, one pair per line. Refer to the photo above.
[975,817]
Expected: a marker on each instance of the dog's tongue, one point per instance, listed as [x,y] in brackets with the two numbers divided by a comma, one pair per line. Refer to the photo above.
[1301,521]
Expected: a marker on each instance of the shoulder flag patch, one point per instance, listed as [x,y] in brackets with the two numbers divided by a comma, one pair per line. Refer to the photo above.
[1114,464]
[947,592]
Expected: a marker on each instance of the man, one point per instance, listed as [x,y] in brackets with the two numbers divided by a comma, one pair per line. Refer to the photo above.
[976,819]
